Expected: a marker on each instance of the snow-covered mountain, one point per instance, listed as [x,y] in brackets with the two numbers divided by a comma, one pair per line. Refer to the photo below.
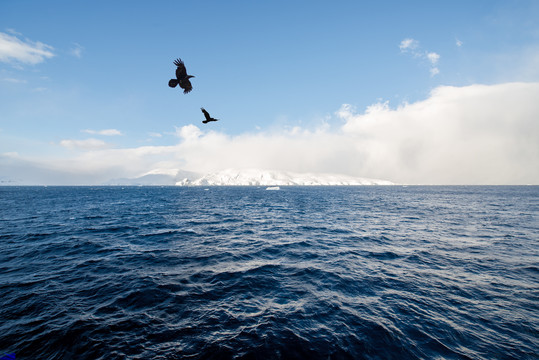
[243,177]
[156,177]
[257,177]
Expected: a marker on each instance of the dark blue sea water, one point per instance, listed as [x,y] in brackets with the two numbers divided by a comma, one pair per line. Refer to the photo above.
[244,273]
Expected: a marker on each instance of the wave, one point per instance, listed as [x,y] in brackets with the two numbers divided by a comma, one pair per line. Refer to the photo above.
[240,273]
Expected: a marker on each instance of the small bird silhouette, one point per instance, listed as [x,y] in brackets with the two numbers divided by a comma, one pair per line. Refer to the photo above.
[207,116]
[181,77]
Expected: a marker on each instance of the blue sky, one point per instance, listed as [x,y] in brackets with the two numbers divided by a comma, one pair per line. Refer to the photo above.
[83,85]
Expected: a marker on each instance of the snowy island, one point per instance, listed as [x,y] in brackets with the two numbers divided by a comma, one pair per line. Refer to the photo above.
[257,177]
[245,177]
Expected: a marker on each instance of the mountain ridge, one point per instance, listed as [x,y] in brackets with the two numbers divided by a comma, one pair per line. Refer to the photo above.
[260,177]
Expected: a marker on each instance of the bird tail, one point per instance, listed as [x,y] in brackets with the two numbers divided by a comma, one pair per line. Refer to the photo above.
[172,83]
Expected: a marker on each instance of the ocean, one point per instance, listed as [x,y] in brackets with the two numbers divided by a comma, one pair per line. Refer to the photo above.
[366,272]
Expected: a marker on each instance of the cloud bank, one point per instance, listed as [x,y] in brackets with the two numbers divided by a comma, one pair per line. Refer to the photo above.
[460,135]
[22,50]
[478,134]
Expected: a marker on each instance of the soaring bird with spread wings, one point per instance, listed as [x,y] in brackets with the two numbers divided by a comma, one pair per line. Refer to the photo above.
[207,116]
[182,78]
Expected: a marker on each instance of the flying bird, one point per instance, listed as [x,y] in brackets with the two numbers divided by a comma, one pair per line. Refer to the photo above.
[207,116]
[181,77]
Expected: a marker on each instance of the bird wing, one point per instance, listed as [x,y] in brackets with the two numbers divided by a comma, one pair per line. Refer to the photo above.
[185,84]
[206,114]
[181,72]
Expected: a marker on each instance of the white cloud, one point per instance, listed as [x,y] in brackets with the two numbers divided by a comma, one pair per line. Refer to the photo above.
[408,44]
[458,43]
[76,50]
[478,134]
[14,81]
[87,144]
[412,47]
[15,49]
[188,132]
[155,134]
[433,57]
[105,132]
[14,32]
[474,134]
[39,89]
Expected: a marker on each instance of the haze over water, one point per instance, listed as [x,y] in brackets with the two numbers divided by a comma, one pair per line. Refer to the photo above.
[363,272]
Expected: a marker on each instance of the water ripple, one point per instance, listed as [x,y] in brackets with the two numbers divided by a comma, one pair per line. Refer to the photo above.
[241,273]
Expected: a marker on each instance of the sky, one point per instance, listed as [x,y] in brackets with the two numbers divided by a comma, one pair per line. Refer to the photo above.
[414,92]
